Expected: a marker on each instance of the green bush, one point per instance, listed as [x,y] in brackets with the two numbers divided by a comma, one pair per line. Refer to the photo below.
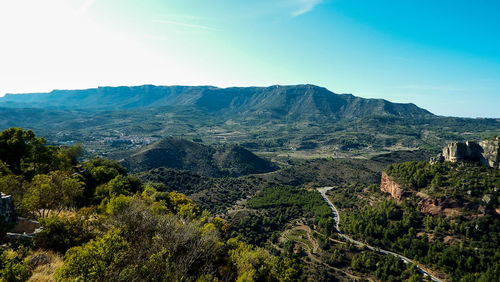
[97,260]
[62,233]
[14,269]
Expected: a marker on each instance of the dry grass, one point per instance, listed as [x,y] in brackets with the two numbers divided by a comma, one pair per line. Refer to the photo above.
[45,271]
[63,213]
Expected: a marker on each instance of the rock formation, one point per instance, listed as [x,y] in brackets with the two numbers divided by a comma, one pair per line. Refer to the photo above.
[459,151]
[389,186]
[486,152]
[7,209]
[19,227]
[491,152]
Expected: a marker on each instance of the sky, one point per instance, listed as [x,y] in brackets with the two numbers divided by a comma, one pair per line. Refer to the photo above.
[442,55]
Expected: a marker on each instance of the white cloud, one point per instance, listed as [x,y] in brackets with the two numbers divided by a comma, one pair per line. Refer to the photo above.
[305,6]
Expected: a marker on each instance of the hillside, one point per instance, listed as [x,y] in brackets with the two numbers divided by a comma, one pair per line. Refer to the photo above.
[292,102]
[218,194]
[446,188]
[220,161]
[464,179]
[444,216]
[136,234]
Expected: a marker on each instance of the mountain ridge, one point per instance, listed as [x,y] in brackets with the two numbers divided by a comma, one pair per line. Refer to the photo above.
[289,101]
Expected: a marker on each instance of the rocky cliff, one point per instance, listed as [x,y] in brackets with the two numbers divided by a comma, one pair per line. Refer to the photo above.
[491,152]
[7,209]
[389,186]
[486,152]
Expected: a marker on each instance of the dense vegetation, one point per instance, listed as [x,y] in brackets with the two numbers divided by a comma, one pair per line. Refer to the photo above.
[110,226]
[463,243]
[463,181]
[409,232]
[102,223]
[386,268]
[277,217]
[213,194]
[211,161]
[218,194]
[274,207]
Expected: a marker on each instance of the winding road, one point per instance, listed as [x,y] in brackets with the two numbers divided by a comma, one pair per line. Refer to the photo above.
[336,216]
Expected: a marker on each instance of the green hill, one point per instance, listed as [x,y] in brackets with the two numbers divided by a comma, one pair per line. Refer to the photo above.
[226,160]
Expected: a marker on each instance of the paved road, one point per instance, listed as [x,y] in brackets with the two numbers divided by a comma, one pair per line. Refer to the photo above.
[406,260]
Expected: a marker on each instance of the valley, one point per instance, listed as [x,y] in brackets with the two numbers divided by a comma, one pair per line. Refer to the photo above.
[151,171]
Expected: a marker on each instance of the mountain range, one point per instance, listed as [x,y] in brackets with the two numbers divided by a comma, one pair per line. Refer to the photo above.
[296,101]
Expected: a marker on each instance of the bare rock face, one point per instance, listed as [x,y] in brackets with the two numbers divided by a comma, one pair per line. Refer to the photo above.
[459,151]
[491,152]
[389,186]
[486,152]
[7,209]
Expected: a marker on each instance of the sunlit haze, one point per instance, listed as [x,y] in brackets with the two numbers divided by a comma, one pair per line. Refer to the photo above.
[441,55]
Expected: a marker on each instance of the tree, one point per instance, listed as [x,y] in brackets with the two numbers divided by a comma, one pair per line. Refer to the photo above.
[285,269]
[25,154]
[120,185]
[189,245]
[17,146]
[54,191]
[13,185]
[336,257]
[98,172]
[71,154]
[158,267]
[250,264]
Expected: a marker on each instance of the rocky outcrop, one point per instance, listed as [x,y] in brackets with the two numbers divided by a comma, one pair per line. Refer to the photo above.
[18,227]
[7,209]
[491,152]
[486,152]
[462,151]
[389,186]
[25,225]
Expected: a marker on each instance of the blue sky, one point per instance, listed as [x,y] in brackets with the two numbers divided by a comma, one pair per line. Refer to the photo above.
[441,55]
